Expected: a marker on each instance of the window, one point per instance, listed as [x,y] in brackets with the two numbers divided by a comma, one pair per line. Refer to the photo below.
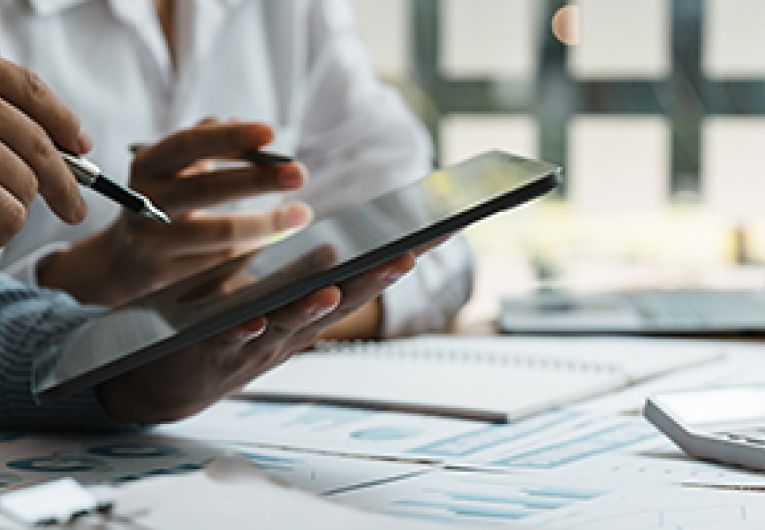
[488,73]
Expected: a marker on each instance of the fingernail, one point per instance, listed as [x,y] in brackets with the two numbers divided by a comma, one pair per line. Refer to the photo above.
[392,276]
[290,179]
[295,216]
[251,336]
[84,141]
[320,311]
[79,211]
[253,330]
[261,135]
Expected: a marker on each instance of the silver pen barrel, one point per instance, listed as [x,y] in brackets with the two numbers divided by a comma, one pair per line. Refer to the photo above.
[89,174]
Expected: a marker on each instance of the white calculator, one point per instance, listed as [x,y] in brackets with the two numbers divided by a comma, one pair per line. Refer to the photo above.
[724,424]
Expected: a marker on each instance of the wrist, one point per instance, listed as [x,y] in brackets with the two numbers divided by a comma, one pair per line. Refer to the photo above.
[79,272]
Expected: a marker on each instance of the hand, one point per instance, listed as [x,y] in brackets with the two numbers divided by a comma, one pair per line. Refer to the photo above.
[140,256]
[192,379]
[32,120]
[366,322]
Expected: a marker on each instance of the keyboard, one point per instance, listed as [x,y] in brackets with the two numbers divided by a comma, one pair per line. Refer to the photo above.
[637,312]
[702,308]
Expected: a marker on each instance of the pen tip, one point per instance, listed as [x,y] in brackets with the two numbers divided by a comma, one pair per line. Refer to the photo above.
[152,212]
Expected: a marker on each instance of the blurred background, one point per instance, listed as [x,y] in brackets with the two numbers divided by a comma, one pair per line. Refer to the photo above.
[655,108]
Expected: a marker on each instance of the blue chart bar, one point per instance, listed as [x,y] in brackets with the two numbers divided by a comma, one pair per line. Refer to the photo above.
[551,456]
[563,493]
[272,463]
[322,417]
[466,510]
[492,436]
[531,504]
[385,434]
[494,499]
[257,408]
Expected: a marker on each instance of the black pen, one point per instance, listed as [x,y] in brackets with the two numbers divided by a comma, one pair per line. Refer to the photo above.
[90,175]
[264,158]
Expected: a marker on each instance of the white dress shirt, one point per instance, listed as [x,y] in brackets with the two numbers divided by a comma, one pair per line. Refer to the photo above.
[295,64]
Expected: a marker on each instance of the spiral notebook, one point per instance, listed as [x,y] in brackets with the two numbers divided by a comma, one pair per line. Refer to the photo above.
[487,378]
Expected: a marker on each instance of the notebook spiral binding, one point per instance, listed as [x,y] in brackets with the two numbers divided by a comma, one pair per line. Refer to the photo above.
[457,353]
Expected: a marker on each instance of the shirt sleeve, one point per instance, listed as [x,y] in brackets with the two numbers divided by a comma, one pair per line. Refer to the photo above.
[359,140]
[25,269]
[33,322]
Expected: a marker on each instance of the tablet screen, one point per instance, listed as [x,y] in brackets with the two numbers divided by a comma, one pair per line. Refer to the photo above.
[327,252]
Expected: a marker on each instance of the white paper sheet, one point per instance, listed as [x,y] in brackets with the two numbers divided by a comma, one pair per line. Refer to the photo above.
[197,502]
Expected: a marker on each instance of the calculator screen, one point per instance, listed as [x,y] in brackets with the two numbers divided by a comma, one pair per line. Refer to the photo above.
[734,404]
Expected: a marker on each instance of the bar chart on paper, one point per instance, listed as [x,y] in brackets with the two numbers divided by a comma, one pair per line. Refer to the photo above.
[613,437]
[547,441]
[322,427]
[469,497]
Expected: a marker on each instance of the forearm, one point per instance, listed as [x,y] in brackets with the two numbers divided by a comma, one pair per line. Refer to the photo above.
[64,271]
[32,324]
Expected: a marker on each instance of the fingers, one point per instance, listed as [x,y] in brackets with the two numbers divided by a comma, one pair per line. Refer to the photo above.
[255,347]
[219,365]
[183,148]
[293,319]
[12,215]
[203,234]
[31,144]
[365,287]
[298,324]
[247,332]
[18,186]
[16,177]
[219,187]
[26,91]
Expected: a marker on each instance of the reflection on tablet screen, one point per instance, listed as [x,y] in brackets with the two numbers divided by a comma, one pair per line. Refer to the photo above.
[328,251]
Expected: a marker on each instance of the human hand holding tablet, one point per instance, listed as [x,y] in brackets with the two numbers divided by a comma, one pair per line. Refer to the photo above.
[342,250]
[187,381]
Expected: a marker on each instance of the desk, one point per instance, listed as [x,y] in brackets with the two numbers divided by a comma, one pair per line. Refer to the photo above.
[591,465]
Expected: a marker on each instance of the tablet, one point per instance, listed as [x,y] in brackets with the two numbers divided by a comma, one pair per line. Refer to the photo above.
[329,251]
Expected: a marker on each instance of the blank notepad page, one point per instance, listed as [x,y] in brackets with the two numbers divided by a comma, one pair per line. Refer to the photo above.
[490,378]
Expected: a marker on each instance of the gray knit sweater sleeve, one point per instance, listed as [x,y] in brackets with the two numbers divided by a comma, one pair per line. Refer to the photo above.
[32,323]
